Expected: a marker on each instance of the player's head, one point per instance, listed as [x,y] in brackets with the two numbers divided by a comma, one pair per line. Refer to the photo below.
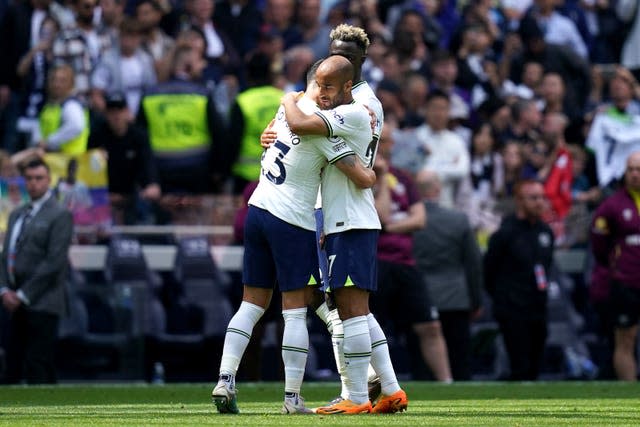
[632,172]
[334,78]
[352,43]
[312,88]
[530,199]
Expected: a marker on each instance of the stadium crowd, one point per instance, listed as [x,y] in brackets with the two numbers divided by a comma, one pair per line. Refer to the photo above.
[481,94]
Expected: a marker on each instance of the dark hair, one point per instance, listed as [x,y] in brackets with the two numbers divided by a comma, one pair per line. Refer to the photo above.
[153,3]
[32,164]
[437,93]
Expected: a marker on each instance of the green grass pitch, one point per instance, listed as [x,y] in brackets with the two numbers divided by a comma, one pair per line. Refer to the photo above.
[430,404]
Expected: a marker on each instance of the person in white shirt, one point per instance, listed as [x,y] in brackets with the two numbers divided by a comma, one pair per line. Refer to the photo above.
[447,153]
[558,29]
[280,242]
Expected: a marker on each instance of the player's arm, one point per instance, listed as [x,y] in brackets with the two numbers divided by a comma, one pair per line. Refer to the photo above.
[356,172]
[299,122]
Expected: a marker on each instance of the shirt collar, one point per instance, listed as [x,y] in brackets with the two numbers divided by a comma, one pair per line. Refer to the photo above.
[36,205]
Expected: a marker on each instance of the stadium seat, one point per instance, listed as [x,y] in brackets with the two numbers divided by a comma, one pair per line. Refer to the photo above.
[196,313]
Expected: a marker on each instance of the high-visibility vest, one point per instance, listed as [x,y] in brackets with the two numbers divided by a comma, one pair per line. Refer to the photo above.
[259,106]
[177,121]
[50,119]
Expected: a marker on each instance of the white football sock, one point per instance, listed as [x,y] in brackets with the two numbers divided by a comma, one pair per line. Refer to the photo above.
[323,314]
[357,355]
[238,335]
[380,357]
[337,341]
[295,347]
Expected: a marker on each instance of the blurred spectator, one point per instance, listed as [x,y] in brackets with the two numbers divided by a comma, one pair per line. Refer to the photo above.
[296,62]
[585,194]
[554,58]
[444,74]
[629,11]
[131,171]
[251,112]
[219,51]
[478,73]
[523,126]
[554,100]
[280,15]
[241,20]
[402,297]
[19,32]
[516,267]
[372,67]
[82,46]
[448,256]
[498,113]
[126,69]
[154,40]
[557,28]
[614,239]
[486,179]
[604,26]
[390,95]
[111,16]
[446,152]
[558,173]
[64,121]
[615,130]
[33,69]
[414,92]
[410,41]
[314,32]
[185,130]
[513,161]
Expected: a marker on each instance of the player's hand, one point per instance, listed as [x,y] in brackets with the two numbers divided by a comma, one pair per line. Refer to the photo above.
[291,96]
[268,136]
[373,120]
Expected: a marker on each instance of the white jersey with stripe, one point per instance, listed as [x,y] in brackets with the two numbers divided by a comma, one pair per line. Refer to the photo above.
[291,169]
[345,205]
[613,137]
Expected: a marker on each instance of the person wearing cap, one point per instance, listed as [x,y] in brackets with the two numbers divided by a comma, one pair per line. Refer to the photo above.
[63,120]
[131,170]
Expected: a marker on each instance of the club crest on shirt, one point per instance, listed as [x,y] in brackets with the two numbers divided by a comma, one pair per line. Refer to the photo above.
[544,239]
[627,214]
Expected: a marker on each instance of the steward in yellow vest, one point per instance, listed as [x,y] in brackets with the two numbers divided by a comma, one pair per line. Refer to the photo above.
[183,125]
[64,122]
[250,114]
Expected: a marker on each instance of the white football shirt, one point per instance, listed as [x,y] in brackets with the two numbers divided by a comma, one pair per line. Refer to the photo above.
[345,205]
[291,169]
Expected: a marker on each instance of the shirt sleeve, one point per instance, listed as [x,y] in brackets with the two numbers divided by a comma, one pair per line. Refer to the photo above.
[72,125]
[345,120]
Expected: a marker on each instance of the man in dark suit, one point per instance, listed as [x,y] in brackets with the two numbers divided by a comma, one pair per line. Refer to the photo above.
[33,266]
[448,256]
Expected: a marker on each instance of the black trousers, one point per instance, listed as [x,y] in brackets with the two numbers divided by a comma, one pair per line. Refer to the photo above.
[457,334]
[524,340]
[31,350]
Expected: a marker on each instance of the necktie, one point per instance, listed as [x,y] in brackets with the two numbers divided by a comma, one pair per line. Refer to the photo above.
[26,218]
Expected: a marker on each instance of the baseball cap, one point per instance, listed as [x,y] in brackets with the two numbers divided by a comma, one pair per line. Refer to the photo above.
[116,100]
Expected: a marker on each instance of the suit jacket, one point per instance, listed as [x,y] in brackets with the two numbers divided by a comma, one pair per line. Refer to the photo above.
[448,256]
[41,257]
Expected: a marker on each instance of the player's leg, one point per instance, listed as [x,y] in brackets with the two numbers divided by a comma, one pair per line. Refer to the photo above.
[296,266]
[259,275]
[352,258]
